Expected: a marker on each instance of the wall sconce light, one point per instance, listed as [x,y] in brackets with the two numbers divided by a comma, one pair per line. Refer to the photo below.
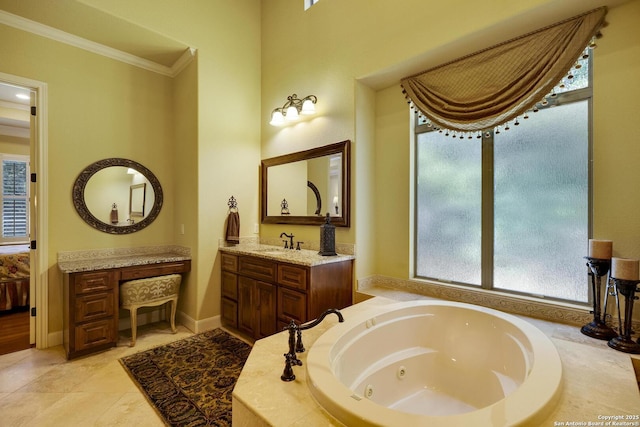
[293,108]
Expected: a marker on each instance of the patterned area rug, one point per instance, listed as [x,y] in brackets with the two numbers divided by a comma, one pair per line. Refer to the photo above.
[189,382]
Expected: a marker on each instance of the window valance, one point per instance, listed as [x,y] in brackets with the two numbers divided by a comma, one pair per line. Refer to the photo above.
[495,85]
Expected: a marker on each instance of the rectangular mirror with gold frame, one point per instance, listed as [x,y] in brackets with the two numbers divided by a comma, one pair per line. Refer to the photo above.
[302,187]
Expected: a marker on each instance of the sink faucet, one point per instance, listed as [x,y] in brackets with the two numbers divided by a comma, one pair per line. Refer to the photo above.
[290,240]
[296,345]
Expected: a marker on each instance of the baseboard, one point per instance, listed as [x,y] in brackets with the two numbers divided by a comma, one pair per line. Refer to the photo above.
[197,326]
[54,338]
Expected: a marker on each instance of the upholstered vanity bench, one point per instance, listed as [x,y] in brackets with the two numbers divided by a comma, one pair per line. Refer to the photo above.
[150,292]
[92,291]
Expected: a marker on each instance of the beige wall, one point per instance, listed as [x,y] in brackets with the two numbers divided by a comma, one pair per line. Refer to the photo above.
[14,145]
[185,153]
[351,56]
[226,157]
[98,108]
[616,60]
[616,151]
[198,133]
[204,132]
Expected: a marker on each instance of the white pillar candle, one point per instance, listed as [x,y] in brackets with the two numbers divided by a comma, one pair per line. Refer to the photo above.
[602,249]
[626,269]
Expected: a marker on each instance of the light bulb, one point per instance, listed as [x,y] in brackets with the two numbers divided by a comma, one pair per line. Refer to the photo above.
[308,107]
[292,114]
[277,118]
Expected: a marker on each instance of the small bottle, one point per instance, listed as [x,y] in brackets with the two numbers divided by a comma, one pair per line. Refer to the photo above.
[327,238]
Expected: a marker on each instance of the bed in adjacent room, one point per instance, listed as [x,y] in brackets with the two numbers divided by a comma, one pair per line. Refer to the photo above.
[14,278]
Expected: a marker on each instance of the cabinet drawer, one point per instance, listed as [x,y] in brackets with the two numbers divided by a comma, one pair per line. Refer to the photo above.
[293,276]
[98,281]
[292,305]
[230,285]
[257,268]
[94,334]
[229,262]
[94,306]
[151,270]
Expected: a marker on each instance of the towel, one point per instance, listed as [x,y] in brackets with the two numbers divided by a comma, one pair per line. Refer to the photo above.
[114,214]
[233,228]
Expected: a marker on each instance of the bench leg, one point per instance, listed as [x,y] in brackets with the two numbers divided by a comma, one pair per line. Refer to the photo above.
[174,307]
[134,325]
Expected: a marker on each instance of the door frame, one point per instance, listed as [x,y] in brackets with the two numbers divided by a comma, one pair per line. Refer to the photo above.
[39,280]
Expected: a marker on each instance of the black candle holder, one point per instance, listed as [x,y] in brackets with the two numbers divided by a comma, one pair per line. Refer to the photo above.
[597,328]
[623,342]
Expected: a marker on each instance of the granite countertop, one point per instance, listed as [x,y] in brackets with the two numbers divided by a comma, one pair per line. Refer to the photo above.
[304,257]
[101,259]
[597,381]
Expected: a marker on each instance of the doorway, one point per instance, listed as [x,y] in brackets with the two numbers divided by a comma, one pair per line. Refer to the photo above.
[21,152]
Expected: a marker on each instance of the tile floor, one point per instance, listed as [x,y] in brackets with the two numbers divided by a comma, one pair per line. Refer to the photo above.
[42,388]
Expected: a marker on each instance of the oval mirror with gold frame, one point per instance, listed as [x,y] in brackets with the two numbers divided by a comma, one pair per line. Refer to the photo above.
[106,177]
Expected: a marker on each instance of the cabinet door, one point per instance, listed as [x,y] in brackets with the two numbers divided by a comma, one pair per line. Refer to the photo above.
[292,305]
[229,312]
[246,306]
[230,285]
[265,297]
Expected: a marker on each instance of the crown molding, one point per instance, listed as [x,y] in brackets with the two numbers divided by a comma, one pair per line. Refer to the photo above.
[184,60]
[39,29]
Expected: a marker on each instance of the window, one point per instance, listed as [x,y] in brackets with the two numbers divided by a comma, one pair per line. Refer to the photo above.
[509,210]
[309,3]
[15,199]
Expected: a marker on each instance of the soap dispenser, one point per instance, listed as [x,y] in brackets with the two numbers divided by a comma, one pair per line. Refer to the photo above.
[327,238]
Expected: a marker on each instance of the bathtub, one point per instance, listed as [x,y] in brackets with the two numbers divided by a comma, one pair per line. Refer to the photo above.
[434,363]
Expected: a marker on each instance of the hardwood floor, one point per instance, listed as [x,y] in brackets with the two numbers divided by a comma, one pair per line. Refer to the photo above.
[14,332]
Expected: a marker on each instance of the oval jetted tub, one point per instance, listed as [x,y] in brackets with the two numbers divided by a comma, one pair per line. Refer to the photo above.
[434,363]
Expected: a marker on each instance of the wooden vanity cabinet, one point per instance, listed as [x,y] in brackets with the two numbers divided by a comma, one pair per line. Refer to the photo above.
[91,304]
[261,296]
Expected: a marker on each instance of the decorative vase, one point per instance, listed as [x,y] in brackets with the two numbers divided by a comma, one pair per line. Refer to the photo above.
[327,238]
